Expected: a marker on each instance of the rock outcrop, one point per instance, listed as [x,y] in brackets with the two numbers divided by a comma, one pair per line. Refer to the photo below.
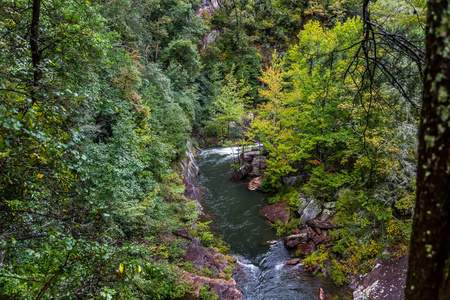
[225,289]
[241,173]
[190,171]
[255,184]
[386,281]
[253,166]
[276,212]
[197,254]
[312,210]
[292,241]
[248,156]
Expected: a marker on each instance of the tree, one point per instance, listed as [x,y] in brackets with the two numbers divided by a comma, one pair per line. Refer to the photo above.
[429,263]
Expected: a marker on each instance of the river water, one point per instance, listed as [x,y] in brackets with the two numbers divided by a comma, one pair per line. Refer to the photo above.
[261,273]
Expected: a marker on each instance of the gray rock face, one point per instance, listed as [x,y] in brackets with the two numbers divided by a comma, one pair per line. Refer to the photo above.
[386,281]
[312,210]
[303,204]
[190,173]
[189,165]
[327,214]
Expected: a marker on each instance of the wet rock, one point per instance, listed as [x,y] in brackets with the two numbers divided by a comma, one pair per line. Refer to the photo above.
[248,156]
[289,181]
[241,173]
[327,214]
[292,241]
[312,210]
[292,262]
[387,280]
[305,249]
[225,289]
[276,212]
[255,184]
[319,224]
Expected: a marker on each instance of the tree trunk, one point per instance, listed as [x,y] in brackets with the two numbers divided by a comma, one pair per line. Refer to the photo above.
[36,54]
[429,262]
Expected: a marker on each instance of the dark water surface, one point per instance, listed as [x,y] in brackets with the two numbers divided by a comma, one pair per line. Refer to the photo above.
[262,275]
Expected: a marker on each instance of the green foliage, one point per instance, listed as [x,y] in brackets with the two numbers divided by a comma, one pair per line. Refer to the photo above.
[207,238]
[228,108]
[286,229]
[324,183]
[338,276]
[317,257]
[89,128]
[351,136]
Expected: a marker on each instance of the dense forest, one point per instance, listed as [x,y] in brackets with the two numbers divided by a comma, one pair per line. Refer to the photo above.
[99,101]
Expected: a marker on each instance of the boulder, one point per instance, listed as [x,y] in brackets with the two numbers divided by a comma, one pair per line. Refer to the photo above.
[292,241]
[306,229]
[259,163]
[305,249]
[387,280]
[312,210]
[206,257]
[327,214]
[255,184]
[289,181]
[319,224]
[225,289]
[248,156]
[318,231]
[318,240]
[303,203]
[276,212]
[241,173]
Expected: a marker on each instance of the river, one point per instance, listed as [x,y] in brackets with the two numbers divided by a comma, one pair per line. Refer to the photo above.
[261,273]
